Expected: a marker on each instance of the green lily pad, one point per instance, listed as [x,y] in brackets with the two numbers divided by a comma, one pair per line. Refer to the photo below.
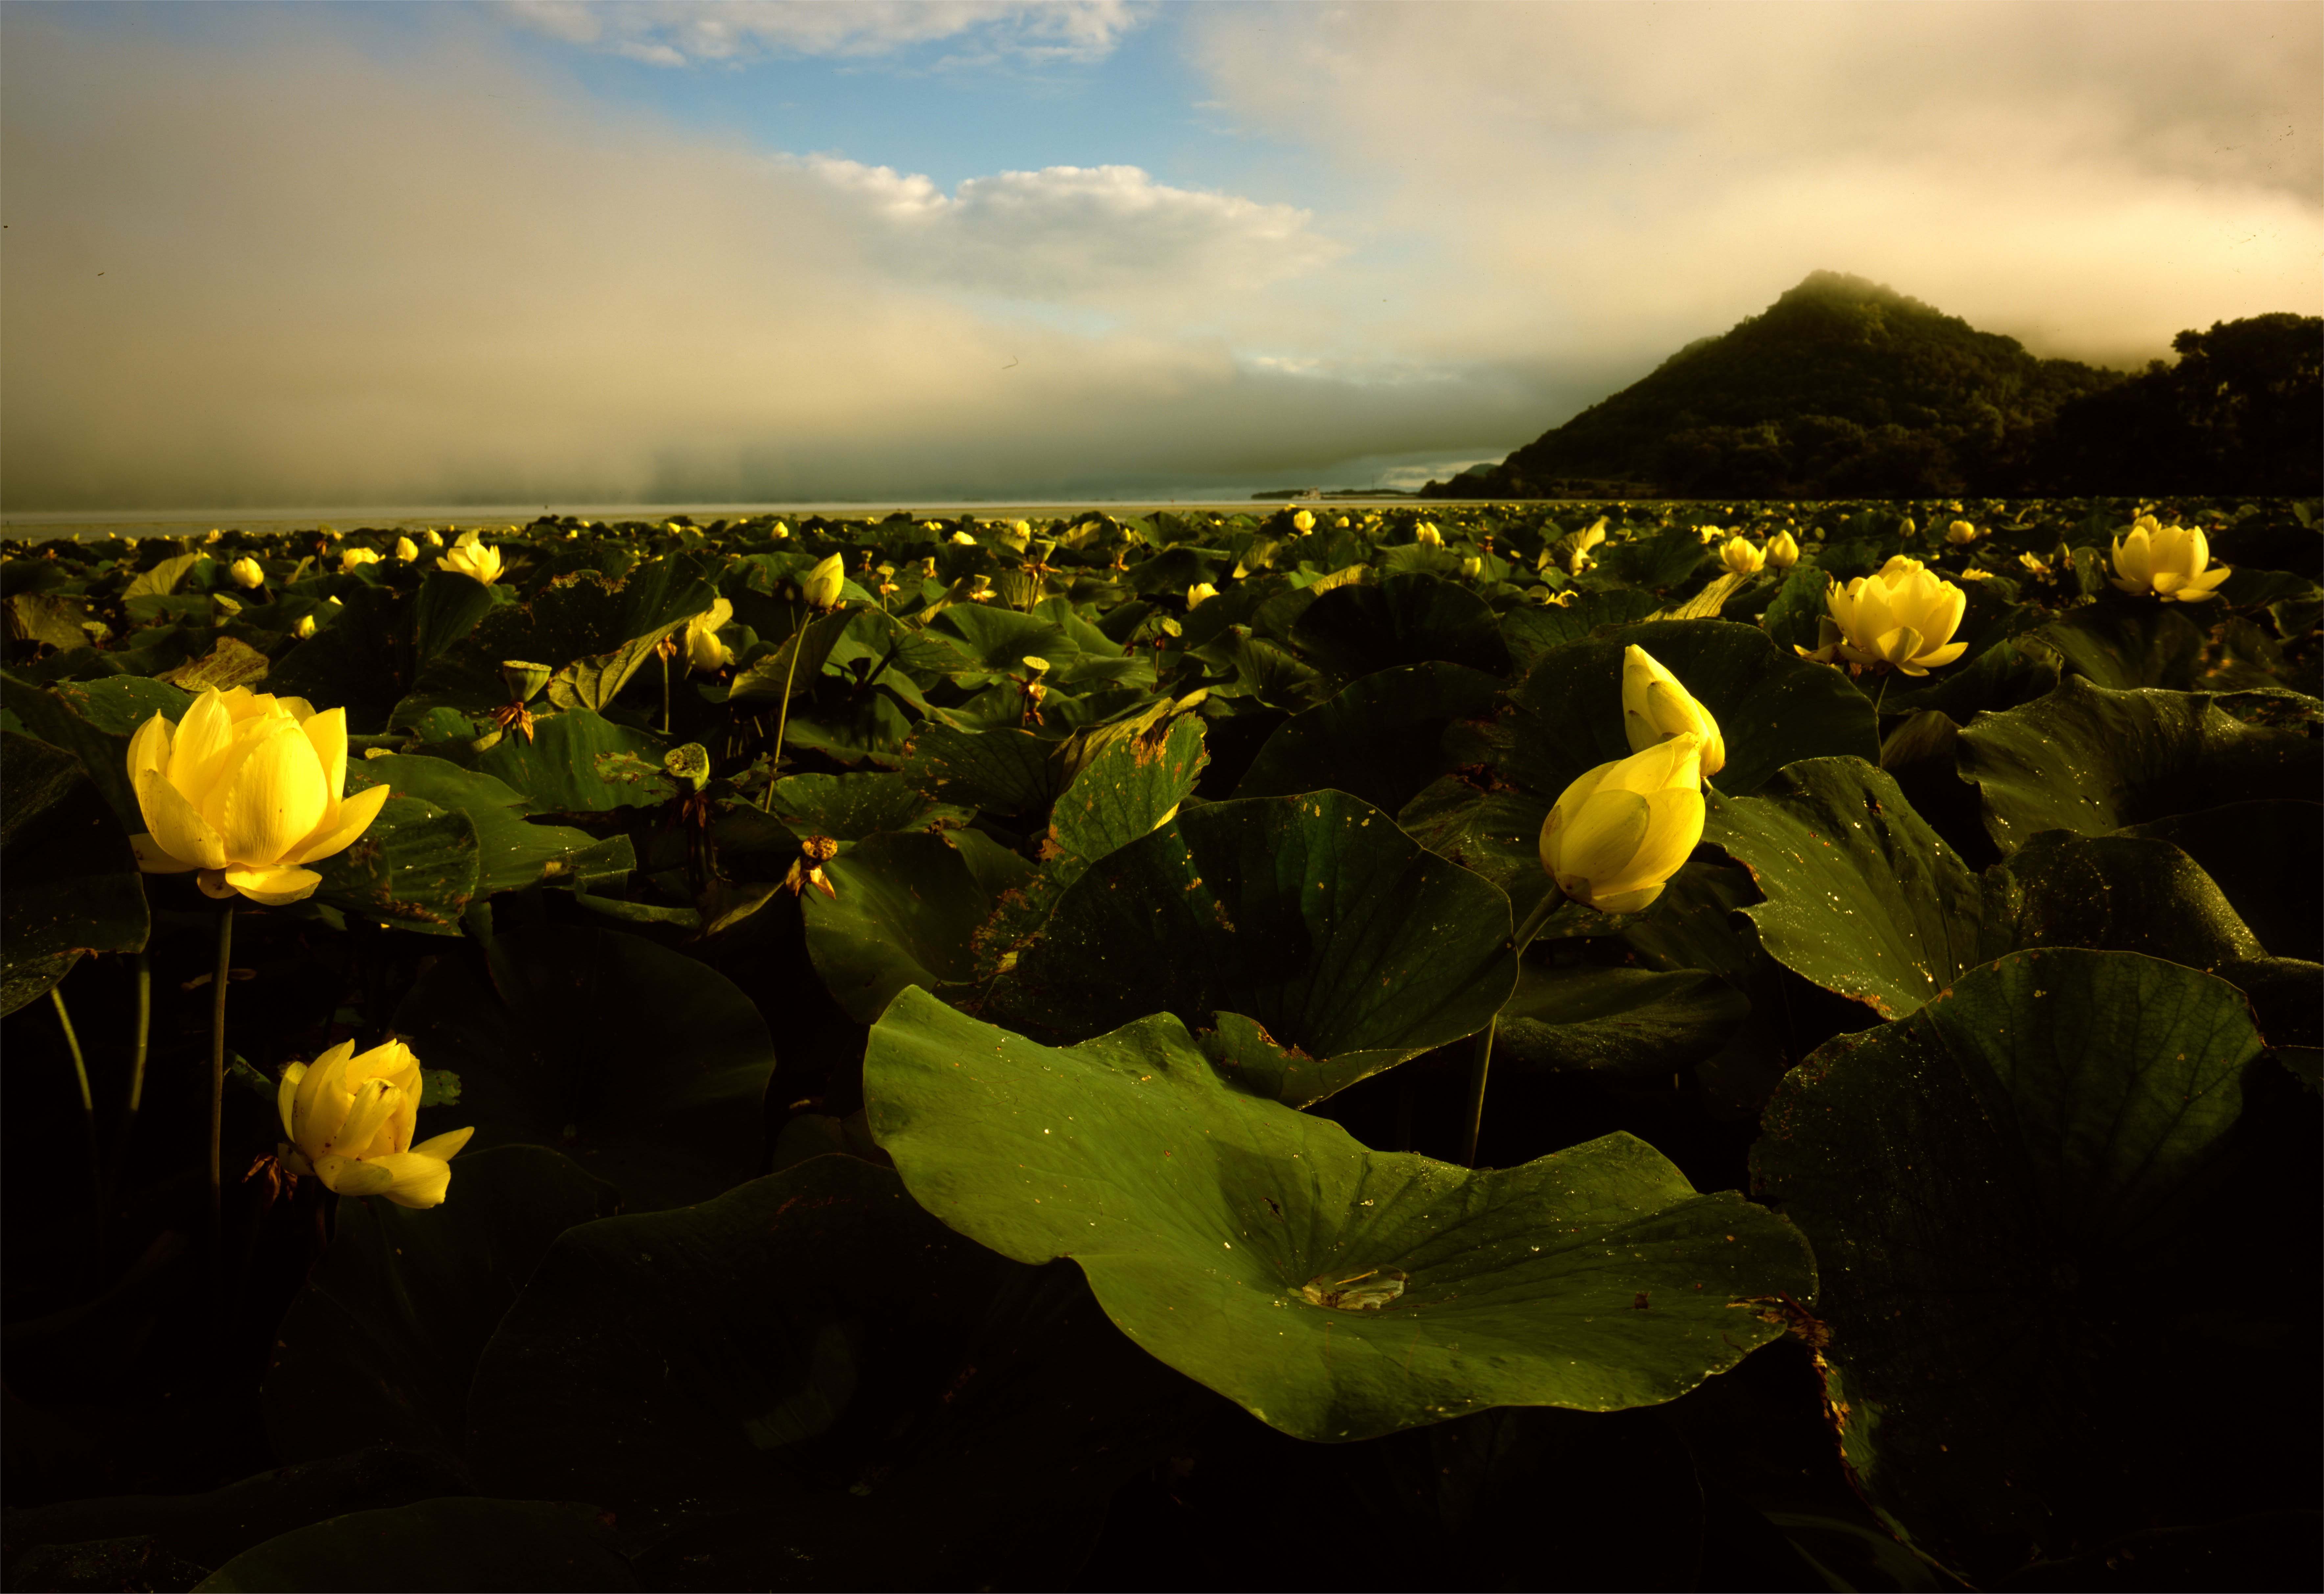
[1488,828]
[415,867]
[73,884]
[94,721]
[1583,1016]
[580,763]
[1595,1277]
[850,807]
[510,853]
[1354,629]
[2267,857]
[2125,646]
[1862,897]
[381,1344]
[2030,1199]
[906,912]
[1314,915]
[2090,761]
[458,1543]
[809,1382]
[1772,708]
[2112,894]
[1376,738]
[644,1067]
[999,771]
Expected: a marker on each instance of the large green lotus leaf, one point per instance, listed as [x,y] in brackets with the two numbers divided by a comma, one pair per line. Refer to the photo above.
[583,619]
[2040,1210]
[1595,1277]
[1357,629]
[999,772]
[580,763]
[510,853]
[811,1383]
[447,608]
[2090,761]
[793,666]
[359,661]
[850,807]
[1142,771]
[1697,924]
[1491,829]
[73,885]
[2016,671]
[645,1067]
[1316,915]
[416,867]
[1531,630]
[1376,737]
[2127,645]
[93,721]
[1658,563]
[996,641]
[2112,894]
[1862,897]
[2266,856]
[456,1542]
[1583,1016]
[1773,707]
[906,913]
[381,1344]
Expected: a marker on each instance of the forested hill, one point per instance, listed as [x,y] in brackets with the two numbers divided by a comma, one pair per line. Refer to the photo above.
[1844,388]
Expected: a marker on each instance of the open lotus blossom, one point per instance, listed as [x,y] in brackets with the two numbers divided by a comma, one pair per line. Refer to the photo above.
[1427,535]
[246,573]
[246,789]
[350,558]
[1740,558]
[1783,550]
[471,556]
[350,1117]
[704,650]
[1201,593]
[1617,835]
[1655,708]
[1303,522]
[964,540]
[1904,614]
[2172,563]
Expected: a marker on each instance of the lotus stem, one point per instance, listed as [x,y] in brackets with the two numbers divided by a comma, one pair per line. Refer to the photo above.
[144,1030]
[665,694]
[783,718]
[1480,1062]
[212,1221]
[80,1064]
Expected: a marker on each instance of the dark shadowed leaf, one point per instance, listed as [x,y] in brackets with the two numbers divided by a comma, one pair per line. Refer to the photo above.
[450,1544]
[72,882]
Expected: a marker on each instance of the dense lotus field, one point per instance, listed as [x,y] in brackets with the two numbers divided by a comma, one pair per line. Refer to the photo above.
[1574,1045]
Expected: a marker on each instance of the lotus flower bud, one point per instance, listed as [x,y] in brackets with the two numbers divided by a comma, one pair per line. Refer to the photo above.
[779,531]
[1428,536]
[353,558]
[1303,522]
[305,628]
[1959,533]
[2169,562]
[246,789]
[469,556]
[1655,708]
[349,1118]
[704,650]
[1783,550]
[406,549]
[1904,615]
[432,536]
[1740,558]
[825,583]
[246,573]
[964,540]
[1201,593]
[1616,835]
[1472,566]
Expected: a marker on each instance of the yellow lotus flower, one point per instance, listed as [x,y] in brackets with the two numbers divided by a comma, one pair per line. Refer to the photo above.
[1199,594]
[432,537]
[246,789]
[350,1118]
[246,573]
[470,556]
[1783,550]
[1960,532]
[1710,534]
[1472,566]
[406,549]
[1617,835]
[1427,535]
[2166,561]
[779,531]
[1341,522]
[1740,558]
[1903,616]
[704,650]
[964,540]
[305,628]
[350,558]
[1655,708]
[1302,521]
[822,586]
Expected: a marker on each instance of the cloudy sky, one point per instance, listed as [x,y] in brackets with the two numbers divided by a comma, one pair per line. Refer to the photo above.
[785,250]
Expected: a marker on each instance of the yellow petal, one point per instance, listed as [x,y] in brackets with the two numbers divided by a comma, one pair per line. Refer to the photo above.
[348,1177]
[444,1147]
[274,887]
[1941,657]
[374,1103]
[286,1096]
[149,748]
[176,828]
[326,733]
[275,797]
[153,859]
[1636,901]
[413,1180]
[355,815]
[322,1100]
[198,749]
[1604,835]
